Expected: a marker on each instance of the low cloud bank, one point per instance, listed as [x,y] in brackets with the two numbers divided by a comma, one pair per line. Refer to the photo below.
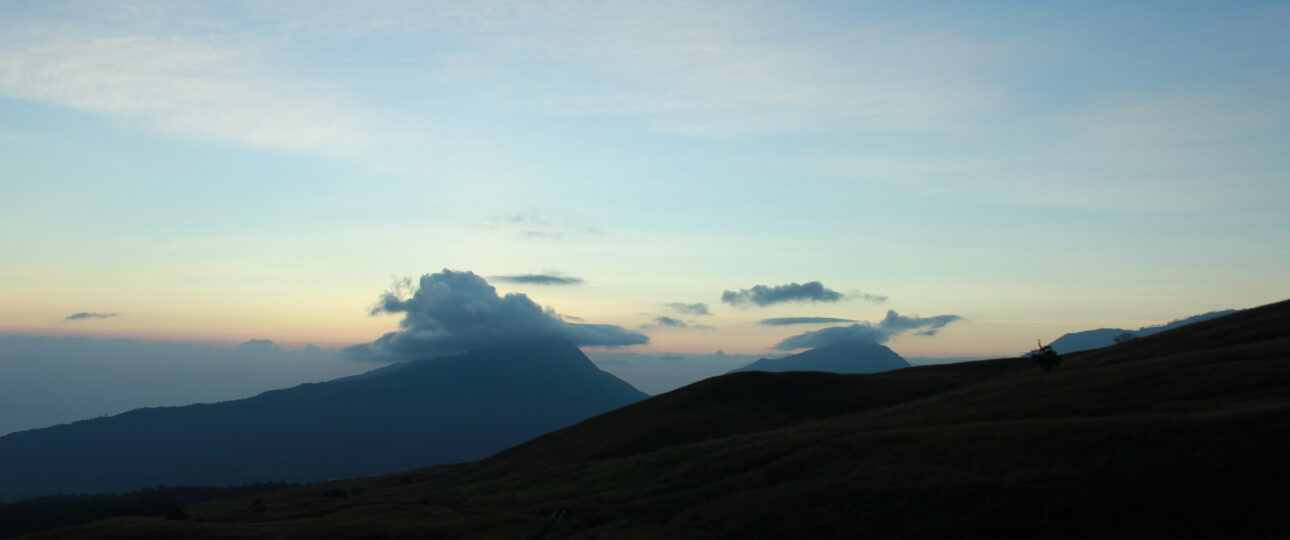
[890,326]
[453,312]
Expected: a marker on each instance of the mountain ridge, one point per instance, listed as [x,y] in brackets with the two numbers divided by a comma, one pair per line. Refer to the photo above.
[1176,436]
[851,356]
[440,410]
[1105,337]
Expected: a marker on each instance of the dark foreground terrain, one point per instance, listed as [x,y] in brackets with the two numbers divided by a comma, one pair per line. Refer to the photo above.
[53,511]
[1183,434]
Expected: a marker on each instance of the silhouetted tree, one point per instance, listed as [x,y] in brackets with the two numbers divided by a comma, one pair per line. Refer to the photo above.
[1045,357]
[1124,339]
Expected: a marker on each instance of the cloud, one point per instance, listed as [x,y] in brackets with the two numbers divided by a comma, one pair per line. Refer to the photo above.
[704,69]
[875,298]
[762,295]
[666,321]
[897,323]
[530,219]
[552,278]
[670,322]
[453,312]
[531,225]
[542,235]
[88,315]
[892,325]
[785,321]
[192,86]
[699,308]
[259,346]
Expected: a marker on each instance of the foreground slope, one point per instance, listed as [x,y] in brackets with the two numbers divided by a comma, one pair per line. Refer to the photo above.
[1180,435]
[854,356]
[443,410]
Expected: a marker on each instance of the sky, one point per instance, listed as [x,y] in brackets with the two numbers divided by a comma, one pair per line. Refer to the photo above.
[207,173]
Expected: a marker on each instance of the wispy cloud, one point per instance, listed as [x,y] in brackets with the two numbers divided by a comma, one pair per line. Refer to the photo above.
[89,315]
[698,308]
[254,76]
[704,69]
[549,278]
[532,225]
[670,322]
[875,298]
[666,321]
[1167,149]
[786,321]
[196,87]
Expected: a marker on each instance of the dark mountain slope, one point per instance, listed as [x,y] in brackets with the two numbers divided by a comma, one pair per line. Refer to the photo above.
[1182,435]
[733,404]
[855,356]
[435,411]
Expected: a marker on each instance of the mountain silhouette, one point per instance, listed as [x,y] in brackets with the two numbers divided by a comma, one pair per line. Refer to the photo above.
[442,410]
[1181,436]
[852,356]
[1105,337]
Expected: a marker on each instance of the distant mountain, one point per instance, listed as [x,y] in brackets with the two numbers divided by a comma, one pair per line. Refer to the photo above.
[442,410]
[1105,337]
[1182,436]
[855,356]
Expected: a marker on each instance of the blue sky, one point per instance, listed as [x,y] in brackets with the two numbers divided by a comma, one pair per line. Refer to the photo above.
[223,171]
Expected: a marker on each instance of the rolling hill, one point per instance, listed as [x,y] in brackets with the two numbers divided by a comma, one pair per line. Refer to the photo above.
[1178,435]
[444,410]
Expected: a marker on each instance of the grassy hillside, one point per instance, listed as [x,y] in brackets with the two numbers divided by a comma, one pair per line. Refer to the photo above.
[1181,434]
